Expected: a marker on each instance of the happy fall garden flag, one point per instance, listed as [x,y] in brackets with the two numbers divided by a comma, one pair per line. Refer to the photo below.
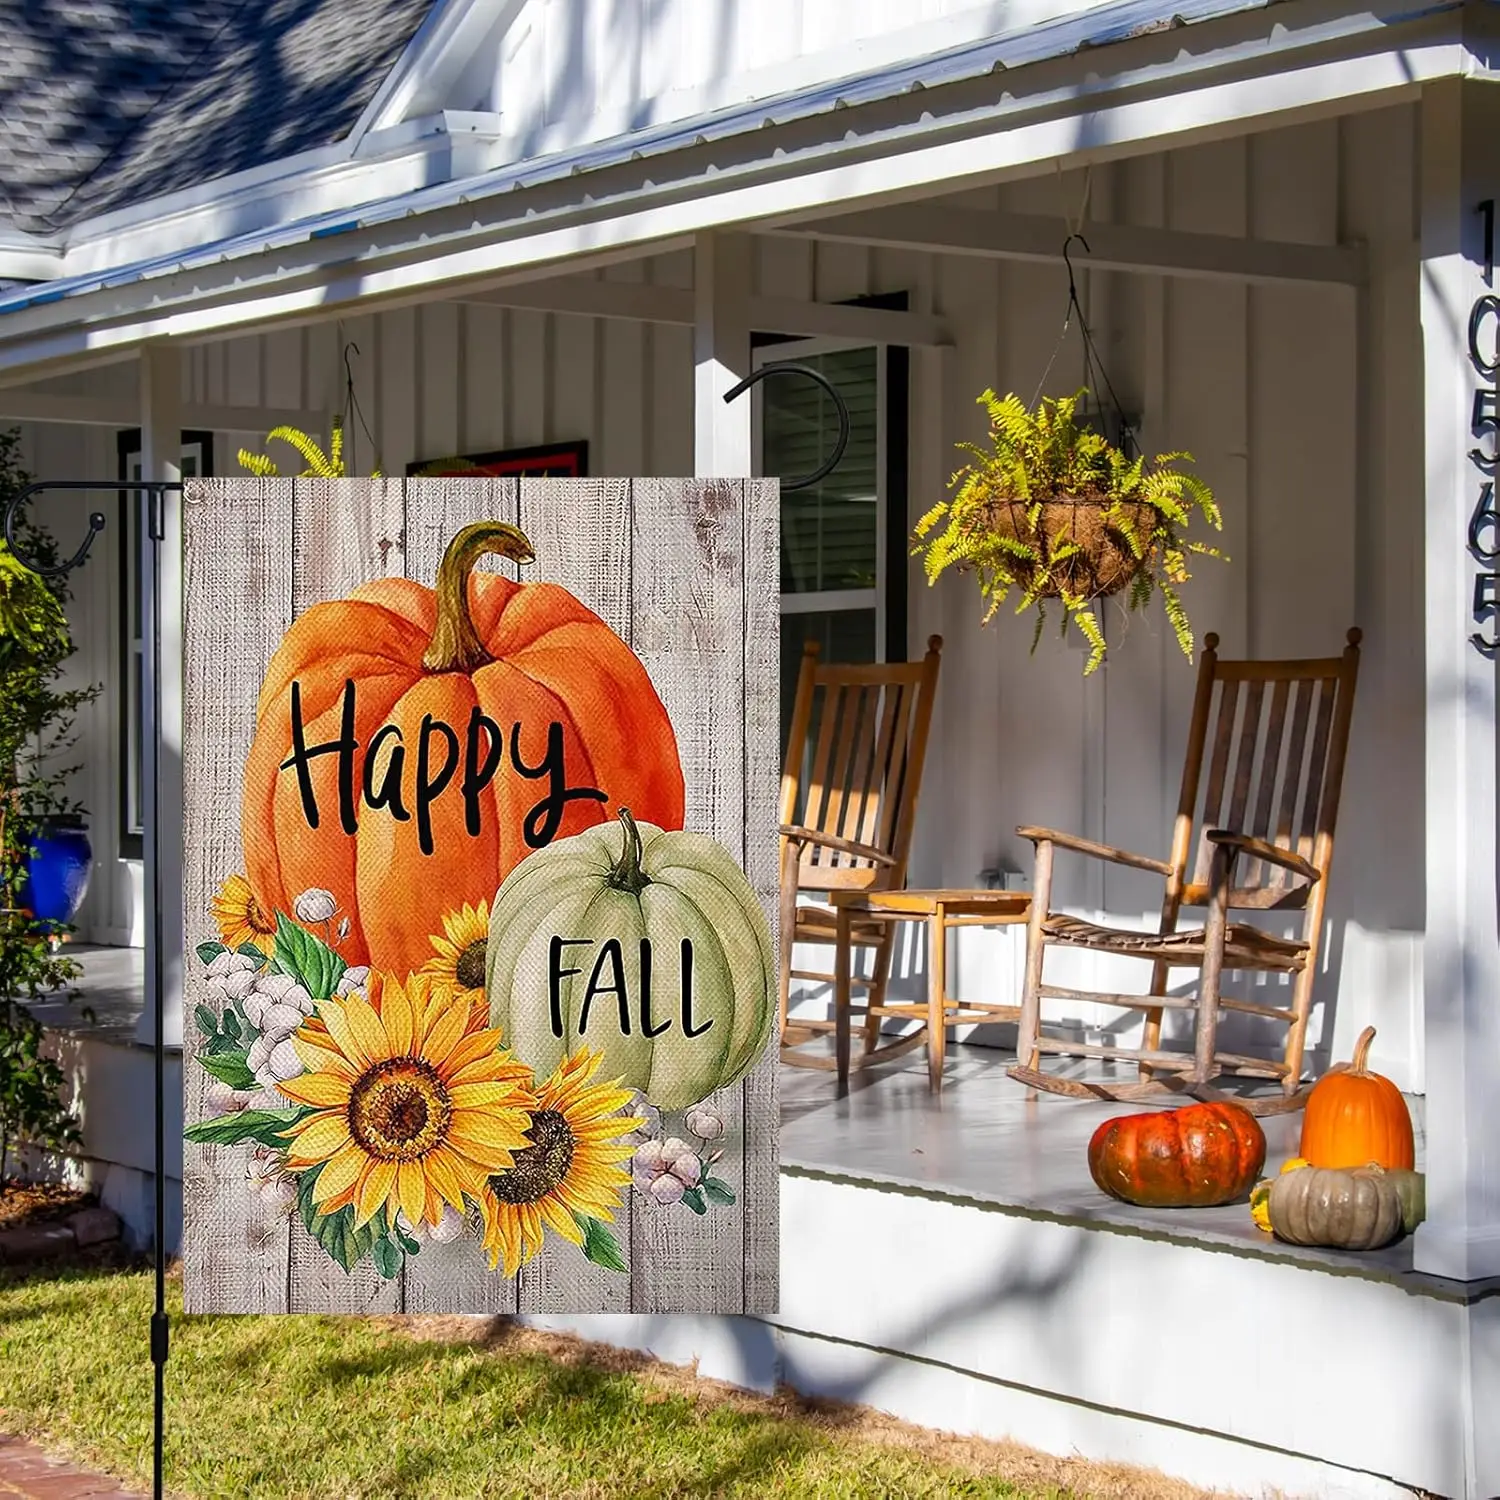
[479,871]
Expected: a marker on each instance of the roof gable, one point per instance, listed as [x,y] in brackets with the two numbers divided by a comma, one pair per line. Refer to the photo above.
[107,102]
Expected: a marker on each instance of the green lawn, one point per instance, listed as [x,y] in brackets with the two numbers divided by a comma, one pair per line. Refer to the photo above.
[333,1408]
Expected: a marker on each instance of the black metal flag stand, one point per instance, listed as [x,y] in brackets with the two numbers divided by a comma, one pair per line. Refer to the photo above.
[153,530]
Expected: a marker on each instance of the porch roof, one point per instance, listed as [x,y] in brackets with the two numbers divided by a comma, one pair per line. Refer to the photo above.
[455,215]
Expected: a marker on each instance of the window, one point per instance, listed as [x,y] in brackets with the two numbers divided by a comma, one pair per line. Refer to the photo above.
[197,460]
[842,540]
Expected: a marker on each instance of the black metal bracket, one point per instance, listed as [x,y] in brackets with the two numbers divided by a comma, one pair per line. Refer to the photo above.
[154,490]
[792,367]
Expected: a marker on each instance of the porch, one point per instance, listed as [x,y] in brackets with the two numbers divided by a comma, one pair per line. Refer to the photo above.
[986,1287]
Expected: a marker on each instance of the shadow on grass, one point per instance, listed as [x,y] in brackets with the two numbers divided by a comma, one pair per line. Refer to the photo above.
[584,1405]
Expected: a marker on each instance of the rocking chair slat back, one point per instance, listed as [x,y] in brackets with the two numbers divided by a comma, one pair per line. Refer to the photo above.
[1262,764]
[855,749]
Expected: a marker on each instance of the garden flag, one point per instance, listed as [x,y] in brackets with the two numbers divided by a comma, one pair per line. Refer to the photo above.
[479,869]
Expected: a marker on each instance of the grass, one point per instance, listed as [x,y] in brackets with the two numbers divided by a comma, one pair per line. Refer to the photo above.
[336,1407]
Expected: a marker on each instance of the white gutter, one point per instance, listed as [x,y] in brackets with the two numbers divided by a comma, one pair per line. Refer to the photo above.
[511,236]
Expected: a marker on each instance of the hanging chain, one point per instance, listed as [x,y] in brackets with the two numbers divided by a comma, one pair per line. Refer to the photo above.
[1093,363]
[352,409]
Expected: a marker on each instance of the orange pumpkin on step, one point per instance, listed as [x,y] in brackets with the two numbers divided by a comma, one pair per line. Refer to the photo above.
[413,745]
[1354,1116]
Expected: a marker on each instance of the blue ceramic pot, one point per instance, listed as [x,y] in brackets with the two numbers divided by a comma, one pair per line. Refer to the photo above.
[57,874]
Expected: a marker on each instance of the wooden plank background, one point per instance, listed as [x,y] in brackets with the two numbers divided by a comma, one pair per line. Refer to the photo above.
[685,571]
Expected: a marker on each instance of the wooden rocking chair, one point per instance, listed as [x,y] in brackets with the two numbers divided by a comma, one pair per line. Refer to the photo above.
[855,748]
[1267,821]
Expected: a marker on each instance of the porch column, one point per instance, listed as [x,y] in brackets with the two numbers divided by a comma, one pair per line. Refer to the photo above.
[721,355]
[1460,315]
[161,458]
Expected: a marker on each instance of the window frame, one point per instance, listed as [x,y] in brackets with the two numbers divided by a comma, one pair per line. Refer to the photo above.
[128,449]
[893,448]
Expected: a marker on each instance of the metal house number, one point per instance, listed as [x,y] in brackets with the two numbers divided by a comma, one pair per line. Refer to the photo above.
[1484,421]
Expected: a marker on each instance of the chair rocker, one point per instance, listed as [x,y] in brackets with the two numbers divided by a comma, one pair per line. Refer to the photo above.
[1266,827]
[855,749]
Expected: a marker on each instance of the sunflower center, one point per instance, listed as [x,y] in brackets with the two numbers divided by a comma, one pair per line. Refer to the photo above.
[541,1166]
[470,967]
[255,918]
[399,1110]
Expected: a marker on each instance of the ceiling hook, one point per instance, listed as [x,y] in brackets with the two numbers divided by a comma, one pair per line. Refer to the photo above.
[792,367]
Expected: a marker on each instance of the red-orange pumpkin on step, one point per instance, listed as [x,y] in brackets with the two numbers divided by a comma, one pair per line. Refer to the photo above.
[1353,1117]
[528,655]
[1198,1156]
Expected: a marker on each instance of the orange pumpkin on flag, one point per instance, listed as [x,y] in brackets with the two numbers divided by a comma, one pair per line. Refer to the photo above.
[413,745]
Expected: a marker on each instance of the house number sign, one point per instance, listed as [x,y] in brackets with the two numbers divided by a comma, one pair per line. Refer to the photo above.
[1484,422]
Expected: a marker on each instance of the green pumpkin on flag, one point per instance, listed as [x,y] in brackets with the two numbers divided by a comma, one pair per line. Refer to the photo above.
[647,945]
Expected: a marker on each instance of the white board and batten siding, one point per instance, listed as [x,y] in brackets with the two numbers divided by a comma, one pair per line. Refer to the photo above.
[1259,384]
[706,619]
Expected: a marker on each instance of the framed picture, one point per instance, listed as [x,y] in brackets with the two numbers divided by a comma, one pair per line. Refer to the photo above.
[548,461]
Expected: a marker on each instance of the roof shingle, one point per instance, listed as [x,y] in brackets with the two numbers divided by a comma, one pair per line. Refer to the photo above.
[108,102]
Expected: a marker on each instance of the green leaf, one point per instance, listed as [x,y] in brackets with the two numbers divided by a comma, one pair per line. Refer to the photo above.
[600,1245]
[221,1046]
[408,1244]
[694,1200]
[251,951]
[263,1125]
[230,1068]
[311,962]
[345,1244]
[387,1257]
[232,1026]
[717,1191]
[208,952]
[208,1022]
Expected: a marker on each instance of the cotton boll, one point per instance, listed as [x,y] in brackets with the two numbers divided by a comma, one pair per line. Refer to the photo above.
[353,979]
[278,1193]
[281,1019]
[315,906]
[284,1062]
[666,1190]
[687,1169]
[227,963]
[220,1099]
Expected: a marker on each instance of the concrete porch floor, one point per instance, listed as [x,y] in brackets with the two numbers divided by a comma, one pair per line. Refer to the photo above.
[982,1140]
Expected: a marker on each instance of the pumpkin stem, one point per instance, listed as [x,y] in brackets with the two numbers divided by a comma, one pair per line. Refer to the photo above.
[1362,1051]
[455,644]
[627,875]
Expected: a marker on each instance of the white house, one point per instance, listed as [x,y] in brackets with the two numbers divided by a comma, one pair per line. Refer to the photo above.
[552,222]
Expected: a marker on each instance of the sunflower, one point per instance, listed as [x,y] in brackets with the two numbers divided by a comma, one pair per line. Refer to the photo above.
[411,1110]
[240,916]
[459,965]
[570,1167]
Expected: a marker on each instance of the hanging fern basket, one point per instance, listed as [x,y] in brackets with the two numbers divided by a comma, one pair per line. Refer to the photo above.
[1100,529]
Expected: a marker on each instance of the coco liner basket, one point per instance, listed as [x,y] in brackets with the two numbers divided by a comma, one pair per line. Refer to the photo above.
[1105,561]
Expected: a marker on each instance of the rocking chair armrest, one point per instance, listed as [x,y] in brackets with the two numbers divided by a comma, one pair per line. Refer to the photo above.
[1273,854]
[1094,850]
[799,835]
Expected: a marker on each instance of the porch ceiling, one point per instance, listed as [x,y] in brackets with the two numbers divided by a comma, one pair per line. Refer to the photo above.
[1007,109]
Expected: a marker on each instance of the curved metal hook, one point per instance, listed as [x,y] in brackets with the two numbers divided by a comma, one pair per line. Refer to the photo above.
[348,372]
[1068,259]
[792,367]
[13,509]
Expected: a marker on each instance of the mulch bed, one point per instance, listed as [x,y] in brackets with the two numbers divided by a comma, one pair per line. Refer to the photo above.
[39,1202]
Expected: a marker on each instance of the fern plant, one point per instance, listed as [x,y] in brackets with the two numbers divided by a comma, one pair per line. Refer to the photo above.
[1054,510]
[320,465]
